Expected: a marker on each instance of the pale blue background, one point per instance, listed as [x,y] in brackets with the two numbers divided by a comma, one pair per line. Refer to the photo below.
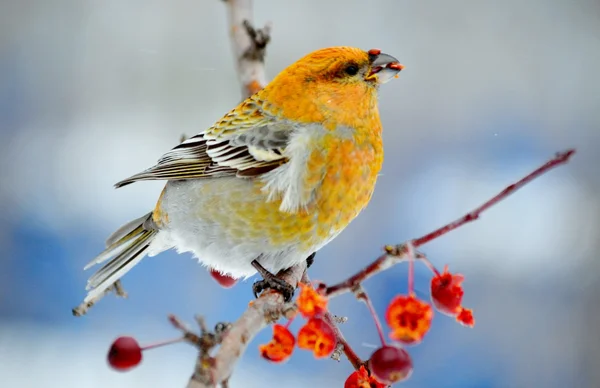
[93,91]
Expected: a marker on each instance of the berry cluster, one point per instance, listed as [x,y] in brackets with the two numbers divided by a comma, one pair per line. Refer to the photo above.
[408,317]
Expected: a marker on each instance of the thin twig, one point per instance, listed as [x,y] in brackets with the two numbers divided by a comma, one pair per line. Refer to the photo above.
[559,158]
[116,287]
[410,252]
[394,254]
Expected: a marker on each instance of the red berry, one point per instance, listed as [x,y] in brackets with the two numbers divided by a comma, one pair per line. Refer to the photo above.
[362,379]
[390,364]
[225,281]
[125,353]
[357,380]
[447,292]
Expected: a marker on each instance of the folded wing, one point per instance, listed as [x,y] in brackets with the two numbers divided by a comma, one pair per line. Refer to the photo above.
[246,142]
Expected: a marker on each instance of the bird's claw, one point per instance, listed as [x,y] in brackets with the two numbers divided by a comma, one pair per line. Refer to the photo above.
[276,284]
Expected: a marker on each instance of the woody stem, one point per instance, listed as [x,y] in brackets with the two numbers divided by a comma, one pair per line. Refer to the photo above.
[346,348]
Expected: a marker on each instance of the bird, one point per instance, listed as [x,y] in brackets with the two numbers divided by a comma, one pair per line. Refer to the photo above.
[271,182]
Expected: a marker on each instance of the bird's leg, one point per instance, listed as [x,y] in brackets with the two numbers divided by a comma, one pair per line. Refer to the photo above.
[270,281]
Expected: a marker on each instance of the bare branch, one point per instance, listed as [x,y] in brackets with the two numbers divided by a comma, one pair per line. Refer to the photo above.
[248,45]
[83,308]
[268,308]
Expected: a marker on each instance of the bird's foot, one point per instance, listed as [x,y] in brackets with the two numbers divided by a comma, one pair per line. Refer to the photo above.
[275,284]
[272,282]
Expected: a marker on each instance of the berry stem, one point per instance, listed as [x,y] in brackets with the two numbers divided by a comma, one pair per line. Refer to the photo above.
[361,294]
[431,267]
[162,343]
[289,322]
[411,267]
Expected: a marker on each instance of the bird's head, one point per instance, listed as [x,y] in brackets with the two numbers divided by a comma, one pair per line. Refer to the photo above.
[330,81]
[346,66]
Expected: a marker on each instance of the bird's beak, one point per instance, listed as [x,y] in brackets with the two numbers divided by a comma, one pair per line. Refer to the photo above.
[384,67]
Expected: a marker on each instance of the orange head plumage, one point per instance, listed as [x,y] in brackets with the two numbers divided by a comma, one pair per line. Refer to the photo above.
[332,84]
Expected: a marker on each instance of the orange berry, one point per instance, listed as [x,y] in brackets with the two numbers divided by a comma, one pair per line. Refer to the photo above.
[409,318]
[318,336]
[310,302]
[281,346]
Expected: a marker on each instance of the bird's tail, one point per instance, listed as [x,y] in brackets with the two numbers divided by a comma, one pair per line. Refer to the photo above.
[124,249]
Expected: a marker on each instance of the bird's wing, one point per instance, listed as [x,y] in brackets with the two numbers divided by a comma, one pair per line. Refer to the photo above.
[245,142]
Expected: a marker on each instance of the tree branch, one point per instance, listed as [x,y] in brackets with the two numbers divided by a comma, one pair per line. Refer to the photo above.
[248,45]
[267,309]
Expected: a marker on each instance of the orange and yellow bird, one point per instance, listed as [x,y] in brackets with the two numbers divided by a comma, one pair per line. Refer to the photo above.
[271,182]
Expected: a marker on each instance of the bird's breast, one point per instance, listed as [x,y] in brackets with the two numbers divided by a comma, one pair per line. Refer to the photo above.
[347,170]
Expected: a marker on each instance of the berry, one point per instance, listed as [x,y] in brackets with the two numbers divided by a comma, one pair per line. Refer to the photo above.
[390,364]
[317,336]
[281,346]
[355,380]
[124,354]
[310,302]
[409,318]
[225,281]
[447,292]
[361,379]
[465,317]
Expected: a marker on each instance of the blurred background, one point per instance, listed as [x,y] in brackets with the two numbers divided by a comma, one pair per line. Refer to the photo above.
[94,91]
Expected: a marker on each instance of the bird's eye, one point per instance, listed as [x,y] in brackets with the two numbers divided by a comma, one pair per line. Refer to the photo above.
[351,69]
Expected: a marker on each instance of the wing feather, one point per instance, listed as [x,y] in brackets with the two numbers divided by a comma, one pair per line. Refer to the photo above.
[246,142]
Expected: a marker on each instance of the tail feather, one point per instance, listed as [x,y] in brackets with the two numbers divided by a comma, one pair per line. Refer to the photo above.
[121,239]
[127,229]
[126,247]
